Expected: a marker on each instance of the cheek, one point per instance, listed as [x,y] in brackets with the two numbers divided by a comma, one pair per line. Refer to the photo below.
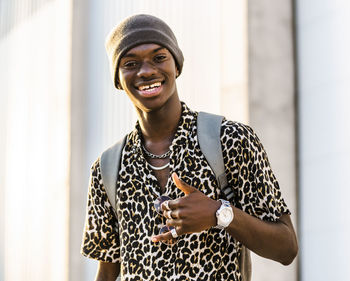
[123,78]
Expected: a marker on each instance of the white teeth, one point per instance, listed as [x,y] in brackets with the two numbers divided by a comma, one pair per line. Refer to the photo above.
[146,87]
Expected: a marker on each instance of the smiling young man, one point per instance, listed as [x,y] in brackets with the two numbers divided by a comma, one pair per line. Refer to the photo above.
[194,234]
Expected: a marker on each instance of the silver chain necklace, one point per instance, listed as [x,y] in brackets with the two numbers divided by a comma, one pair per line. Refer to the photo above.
[153,156]
[159,168]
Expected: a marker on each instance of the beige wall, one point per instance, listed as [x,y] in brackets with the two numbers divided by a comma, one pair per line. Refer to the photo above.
[272,107]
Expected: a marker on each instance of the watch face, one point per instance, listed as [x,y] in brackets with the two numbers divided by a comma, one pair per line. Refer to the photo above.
[226,215]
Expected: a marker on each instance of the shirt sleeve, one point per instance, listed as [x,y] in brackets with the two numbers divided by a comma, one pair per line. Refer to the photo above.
[255,188]
[100,237]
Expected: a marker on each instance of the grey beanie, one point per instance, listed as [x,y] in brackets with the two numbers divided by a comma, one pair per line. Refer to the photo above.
[136,30]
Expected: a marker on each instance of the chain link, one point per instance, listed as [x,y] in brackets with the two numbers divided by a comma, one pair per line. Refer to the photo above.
[153,156]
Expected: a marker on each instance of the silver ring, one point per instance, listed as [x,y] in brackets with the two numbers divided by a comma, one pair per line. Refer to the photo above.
[168,215]
[166,205]
[174,233]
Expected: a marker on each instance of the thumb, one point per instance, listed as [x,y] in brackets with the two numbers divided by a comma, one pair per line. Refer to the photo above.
[184,187]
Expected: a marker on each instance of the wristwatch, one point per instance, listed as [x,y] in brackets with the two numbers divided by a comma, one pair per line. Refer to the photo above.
[224,214]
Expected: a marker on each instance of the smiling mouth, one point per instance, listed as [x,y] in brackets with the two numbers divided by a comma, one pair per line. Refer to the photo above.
[149,88]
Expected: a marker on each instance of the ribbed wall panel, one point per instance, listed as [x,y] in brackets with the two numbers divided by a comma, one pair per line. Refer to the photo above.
[324,136]
[34,108]
[13,12]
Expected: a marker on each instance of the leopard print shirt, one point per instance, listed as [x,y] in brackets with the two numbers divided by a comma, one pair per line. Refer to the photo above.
[125,237]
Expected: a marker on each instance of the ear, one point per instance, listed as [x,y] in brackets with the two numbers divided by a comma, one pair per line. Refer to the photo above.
[116,82]
[177,72]
[118,86]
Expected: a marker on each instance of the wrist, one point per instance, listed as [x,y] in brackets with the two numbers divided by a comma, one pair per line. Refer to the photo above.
[216,207]
[224,214]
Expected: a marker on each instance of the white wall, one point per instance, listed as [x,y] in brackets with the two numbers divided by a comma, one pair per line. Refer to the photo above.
[324,86]
[34,79]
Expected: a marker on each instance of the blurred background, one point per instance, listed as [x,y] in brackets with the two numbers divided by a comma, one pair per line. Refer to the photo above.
[281,66]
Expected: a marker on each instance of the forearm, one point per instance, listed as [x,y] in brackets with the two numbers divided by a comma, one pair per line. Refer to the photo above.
[273,240]
[107,271]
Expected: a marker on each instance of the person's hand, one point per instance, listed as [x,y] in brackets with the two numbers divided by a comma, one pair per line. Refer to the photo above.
[191,213]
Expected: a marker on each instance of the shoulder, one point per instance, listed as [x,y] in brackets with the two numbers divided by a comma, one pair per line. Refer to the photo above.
[113,153]
[236,130]
[95,167]
[239,137]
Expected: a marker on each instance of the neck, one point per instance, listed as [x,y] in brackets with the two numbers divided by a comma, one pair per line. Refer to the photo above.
[159,126]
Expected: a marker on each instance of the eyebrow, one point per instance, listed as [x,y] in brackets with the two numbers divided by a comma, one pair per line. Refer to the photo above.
[131,55]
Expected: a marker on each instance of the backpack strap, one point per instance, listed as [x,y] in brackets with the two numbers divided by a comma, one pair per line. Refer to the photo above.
[209,138]
[110,165]
[209,132]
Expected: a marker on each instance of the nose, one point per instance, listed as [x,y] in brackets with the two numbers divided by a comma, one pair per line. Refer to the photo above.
[147,69]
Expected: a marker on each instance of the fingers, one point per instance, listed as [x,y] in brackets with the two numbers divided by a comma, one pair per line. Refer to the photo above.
[171,205]
[168,214]
[184,187]
[172,214]
[167,236]
[162,237]
[176,212]
[165,206]
[175,222]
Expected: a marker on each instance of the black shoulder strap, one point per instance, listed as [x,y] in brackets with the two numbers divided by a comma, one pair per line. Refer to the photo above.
[110,165]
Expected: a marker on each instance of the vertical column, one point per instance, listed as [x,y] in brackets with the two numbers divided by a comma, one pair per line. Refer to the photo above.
[79,169]
[3,130]
[272,106]
[35,56]
[3,149]
[234,60]
[324,86]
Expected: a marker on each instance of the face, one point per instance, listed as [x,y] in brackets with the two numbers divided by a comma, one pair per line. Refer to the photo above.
[147,74]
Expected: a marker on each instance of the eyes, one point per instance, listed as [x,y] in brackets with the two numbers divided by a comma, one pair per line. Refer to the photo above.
[131,63]
[160,58]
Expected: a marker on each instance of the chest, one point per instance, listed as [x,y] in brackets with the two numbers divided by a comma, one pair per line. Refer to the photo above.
[161,174]
[137,178]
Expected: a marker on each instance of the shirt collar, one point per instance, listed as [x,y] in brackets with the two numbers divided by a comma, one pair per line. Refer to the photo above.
[184,127]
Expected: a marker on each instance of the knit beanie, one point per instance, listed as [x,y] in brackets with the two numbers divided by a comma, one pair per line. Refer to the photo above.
[136,30]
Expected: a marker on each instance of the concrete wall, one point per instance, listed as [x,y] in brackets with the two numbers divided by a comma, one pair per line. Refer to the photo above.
[272,107]
[324,86]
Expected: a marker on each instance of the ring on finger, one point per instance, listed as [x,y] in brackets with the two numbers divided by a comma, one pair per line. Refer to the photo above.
[166,205]
[168,215]
[174,233]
